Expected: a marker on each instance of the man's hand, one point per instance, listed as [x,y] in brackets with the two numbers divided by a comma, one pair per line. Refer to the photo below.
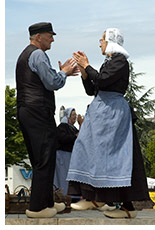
[69,67]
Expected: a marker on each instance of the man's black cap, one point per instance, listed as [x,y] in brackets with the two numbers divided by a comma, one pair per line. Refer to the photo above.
[41,27]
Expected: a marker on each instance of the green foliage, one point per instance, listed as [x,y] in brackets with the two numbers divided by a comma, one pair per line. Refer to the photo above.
[143,107]
[150,153]
[15,150]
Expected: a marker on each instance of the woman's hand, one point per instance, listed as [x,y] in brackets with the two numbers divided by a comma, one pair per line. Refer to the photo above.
[81,59]
[79,119]
[83,72]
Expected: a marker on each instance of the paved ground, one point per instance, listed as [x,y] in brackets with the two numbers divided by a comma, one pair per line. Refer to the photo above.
[90,217]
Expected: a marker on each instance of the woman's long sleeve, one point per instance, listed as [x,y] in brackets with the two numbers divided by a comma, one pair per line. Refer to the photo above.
[64,136]
[89,86]
[109,73]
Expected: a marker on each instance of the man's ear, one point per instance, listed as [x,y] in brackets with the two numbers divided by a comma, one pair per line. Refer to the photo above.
[38,37]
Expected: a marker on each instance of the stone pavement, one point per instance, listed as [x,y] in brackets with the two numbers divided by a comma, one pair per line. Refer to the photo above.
[89,217]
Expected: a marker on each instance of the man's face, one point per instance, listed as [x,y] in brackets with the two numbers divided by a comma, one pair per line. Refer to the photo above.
[45,41]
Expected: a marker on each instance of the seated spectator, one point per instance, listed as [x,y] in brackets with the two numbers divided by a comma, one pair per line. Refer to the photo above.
[67,134]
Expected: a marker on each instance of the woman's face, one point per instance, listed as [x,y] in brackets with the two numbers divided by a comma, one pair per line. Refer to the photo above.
[103,44]
[72,118]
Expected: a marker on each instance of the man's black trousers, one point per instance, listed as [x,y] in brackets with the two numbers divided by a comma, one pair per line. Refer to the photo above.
[39,131]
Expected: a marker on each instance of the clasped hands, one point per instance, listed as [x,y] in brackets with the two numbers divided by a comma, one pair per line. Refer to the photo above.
[82,62]
[81,59]
[69,67]
[73,66]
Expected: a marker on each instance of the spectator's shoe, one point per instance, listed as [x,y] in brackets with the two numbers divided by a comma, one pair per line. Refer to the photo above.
[85,205]
[59,207]
[45,213]
[118,213]
[106,208]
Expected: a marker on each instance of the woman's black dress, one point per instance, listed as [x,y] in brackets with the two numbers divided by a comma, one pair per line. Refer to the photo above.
[114,77]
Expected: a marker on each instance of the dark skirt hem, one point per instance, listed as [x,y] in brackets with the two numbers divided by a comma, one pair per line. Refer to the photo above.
[123,194]
[137,192]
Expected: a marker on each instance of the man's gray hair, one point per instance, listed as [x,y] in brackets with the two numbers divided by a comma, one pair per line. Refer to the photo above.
[32,37]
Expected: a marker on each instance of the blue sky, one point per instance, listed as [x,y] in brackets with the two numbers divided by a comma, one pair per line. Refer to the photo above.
[79,26]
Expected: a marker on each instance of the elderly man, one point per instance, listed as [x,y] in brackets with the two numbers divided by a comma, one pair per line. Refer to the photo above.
[36,81]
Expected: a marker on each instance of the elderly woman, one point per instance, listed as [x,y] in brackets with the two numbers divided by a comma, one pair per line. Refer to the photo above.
[67,134]
[106,163]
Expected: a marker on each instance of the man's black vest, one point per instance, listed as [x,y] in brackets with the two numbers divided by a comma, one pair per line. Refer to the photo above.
[30,89]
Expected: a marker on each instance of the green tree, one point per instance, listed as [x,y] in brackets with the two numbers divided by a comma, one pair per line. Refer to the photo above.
[150,153]
[143,107]
[15,150]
